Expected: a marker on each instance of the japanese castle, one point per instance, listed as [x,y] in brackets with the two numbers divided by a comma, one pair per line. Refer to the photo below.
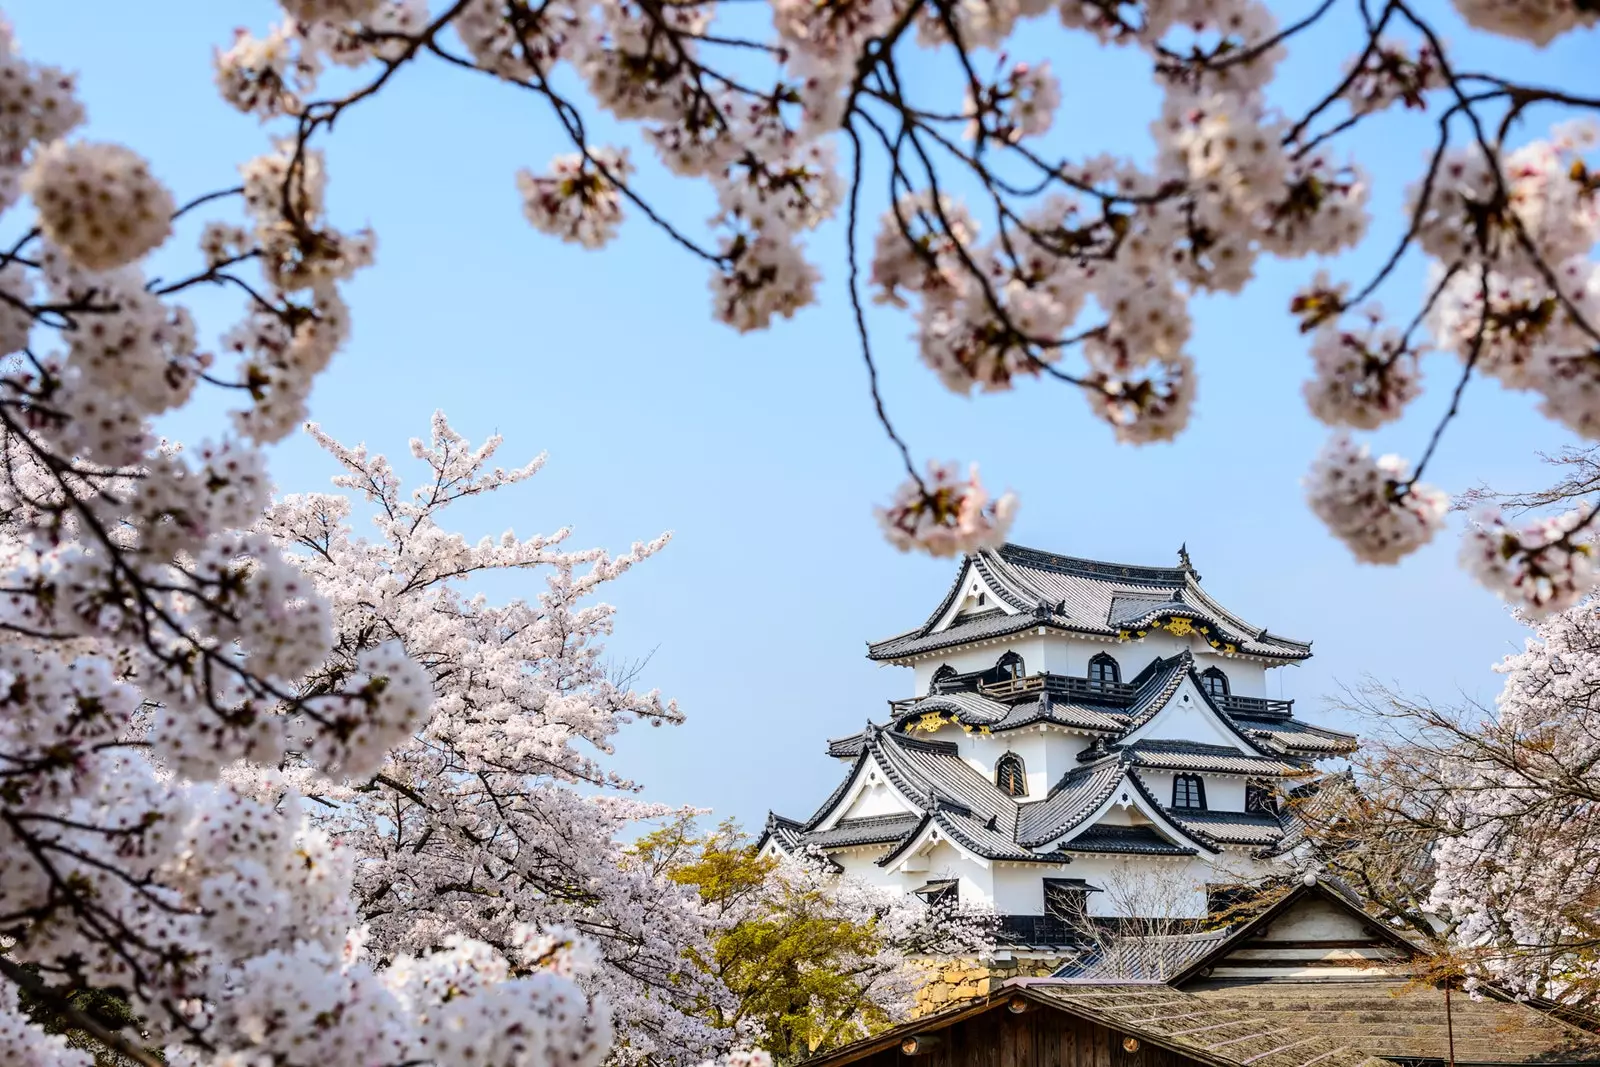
[1074,721]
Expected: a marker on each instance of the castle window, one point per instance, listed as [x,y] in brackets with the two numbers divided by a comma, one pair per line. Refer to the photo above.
[1188,791]
[1066,899]
[1010,665]
[1215,683]
[1258,799]
[983,598]
[1103,671]
[944,893]
[1009,775]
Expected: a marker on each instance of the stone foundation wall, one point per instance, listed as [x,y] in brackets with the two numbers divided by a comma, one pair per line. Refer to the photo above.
[949,982]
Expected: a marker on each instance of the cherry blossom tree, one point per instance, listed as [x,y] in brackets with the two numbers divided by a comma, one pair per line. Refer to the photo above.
[156,638]
[476,827]
[1478,829]
[1018,262]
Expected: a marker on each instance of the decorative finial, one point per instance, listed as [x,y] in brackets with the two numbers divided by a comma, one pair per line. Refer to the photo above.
[1183,557]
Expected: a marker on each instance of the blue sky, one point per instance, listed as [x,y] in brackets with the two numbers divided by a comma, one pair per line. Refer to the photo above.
[760,451]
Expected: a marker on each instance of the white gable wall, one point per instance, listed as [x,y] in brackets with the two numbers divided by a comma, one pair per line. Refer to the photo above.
[877,799]
[972,589]
[1187,717]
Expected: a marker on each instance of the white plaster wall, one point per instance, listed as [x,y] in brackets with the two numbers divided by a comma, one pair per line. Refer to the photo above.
[1020,890]
[1027,744]
[1187,718]
[1059,654]
[1046,755]
[1222,794]
[964,661]
[1181,891]
[863,865]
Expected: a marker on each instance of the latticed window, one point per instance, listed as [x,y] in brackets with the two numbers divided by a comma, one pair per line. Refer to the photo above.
[944,893]
[1103,671]
[1215,682]
[1010,666]
[1258,799]
[1066,900]
[1188,791]
[1009,775]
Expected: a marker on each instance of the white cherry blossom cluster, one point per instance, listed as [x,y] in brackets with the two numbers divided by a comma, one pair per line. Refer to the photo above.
[153,644]
[1390,72]
[1371,504]
[98,203]
[1363,375]
[472,827]
[1514,864]
[1542,567]
[1538,21]
[578,200]
[1020,104]
[945,514]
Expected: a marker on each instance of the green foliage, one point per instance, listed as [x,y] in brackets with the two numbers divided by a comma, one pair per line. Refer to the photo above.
[804,969]
[60,1016]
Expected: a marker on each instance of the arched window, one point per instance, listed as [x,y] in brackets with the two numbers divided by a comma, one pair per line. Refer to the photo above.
[1010,666]
[1258,799]
[1188,791]
[1009,775]
[1215,683]
[944,674]
[1103,671]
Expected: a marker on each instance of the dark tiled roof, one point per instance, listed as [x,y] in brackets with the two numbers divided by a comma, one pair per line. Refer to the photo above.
[1195,756]
[1062,712]
[933,772]
[786,832]
[1141,957]
[1230,827]
[1211,1032]
[962,631]
[876,830]
[975,709]
[1072,800]
[972,708]
[1298,738]
[1083,596]
[972,811]
[986,839]
[846,747]
[1138,840]
[1399,1020]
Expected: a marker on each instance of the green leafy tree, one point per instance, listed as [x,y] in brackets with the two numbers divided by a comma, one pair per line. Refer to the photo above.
[814,959]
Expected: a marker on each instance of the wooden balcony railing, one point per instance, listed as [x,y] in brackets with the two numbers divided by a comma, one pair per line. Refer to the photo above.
[1085,690]
[1117,693]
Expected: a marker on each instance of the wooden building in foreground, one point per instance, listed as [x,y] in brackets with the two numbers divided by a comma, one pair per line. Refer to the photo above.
[1063,1024]
[1314,981]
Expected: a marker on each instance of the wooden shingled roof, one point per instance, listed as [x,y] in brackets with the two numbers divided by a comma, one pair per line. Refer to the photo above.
[1191,1027]
[1203,1030]
[1408,1021]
